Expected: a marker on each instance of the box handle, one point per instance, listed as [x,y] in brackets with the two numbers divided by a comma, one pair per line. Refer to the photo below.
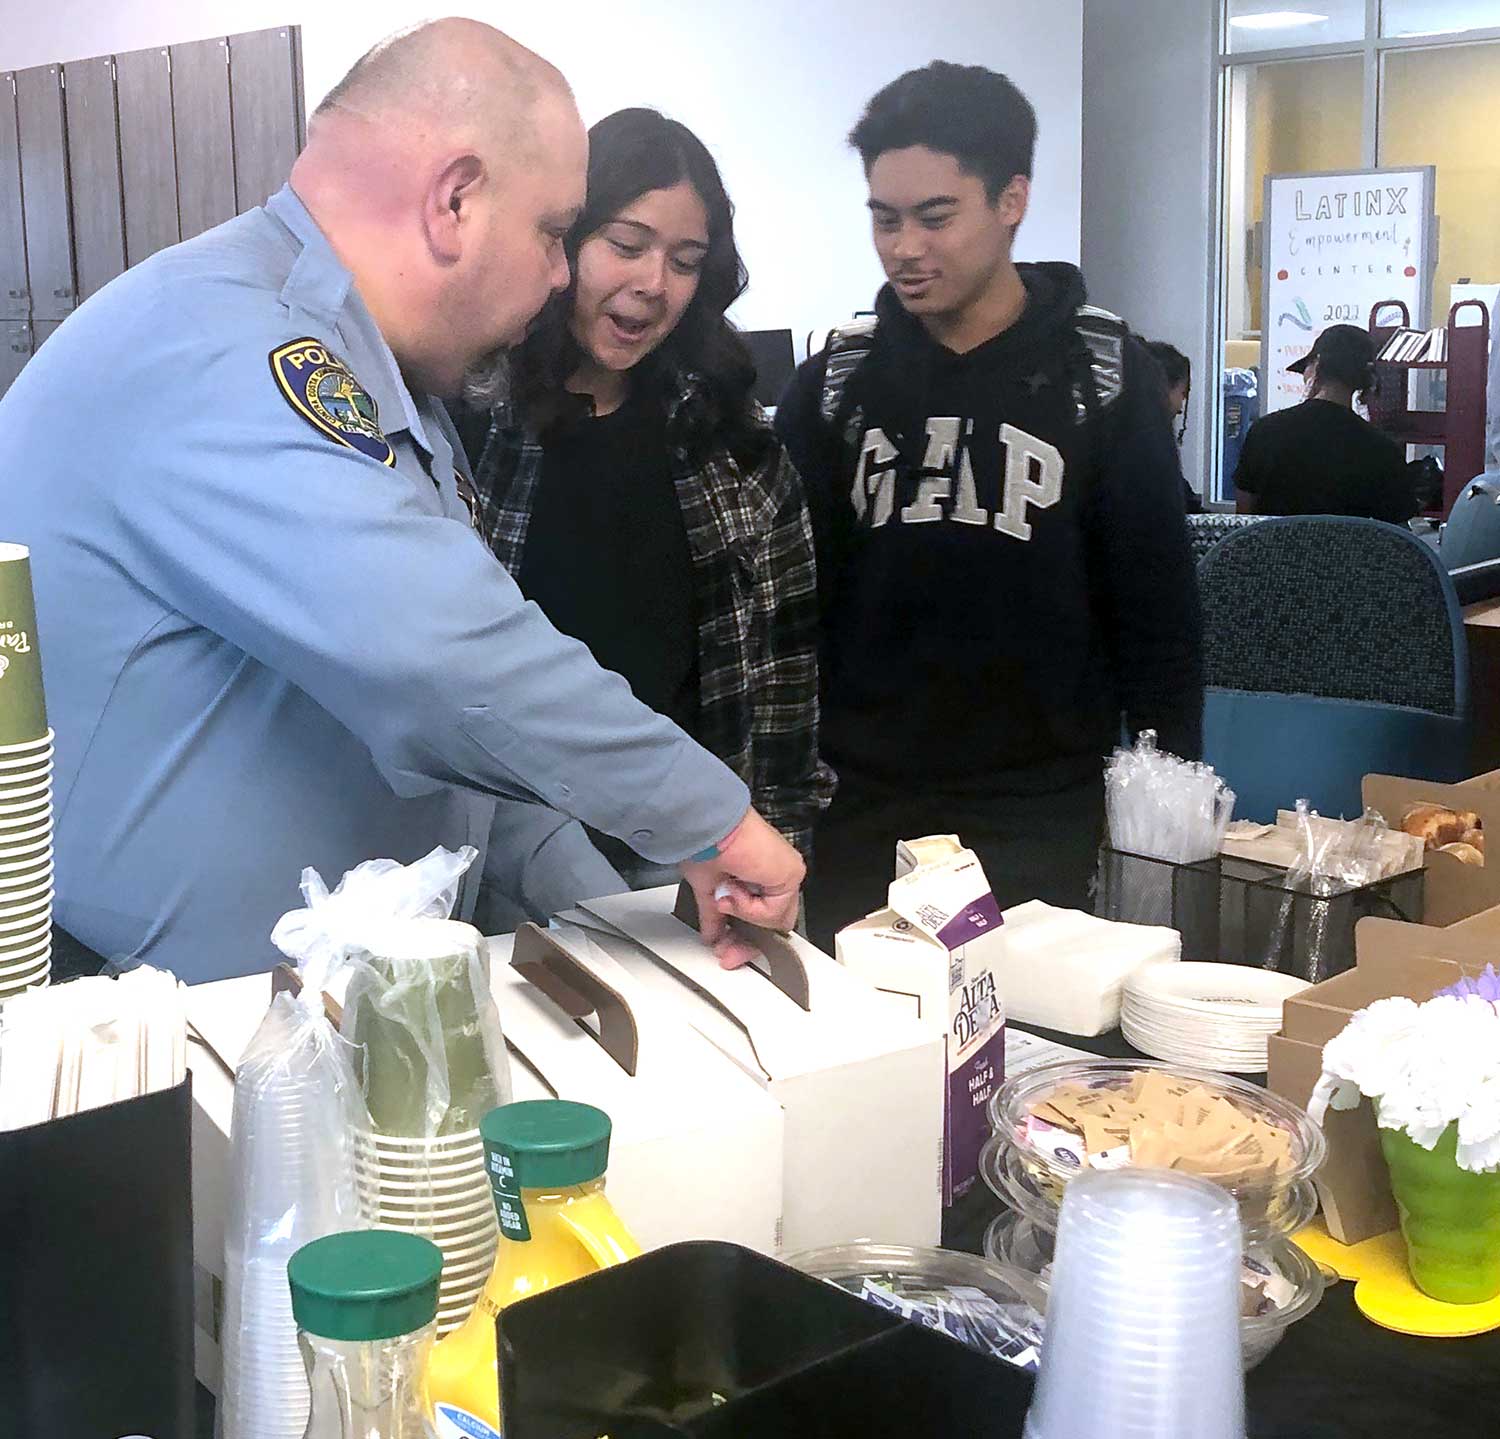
[546,965]
[286,980]
[787,971]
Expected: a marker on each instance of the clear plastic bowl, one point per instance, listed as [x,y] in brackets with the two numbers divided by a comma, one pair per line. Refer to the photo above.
[1021,1246]
[1003,1166]
[936,1287]
[1012,1103]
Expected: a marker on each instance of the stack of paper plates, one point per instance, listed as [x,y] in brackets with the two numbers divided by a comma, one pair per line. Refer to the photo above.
[1218,1016]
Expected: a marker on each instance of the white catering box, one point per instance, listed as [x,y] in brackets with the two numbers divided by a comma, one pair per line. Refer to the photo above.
[696,1150]
[862,1088]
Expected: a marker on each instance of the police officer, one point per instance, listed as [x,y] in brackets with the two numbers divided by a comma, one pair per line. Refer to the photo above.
[271,637]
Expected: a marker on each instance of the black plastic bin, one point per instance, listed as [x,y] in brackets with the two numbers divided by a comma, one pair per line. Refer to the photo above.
[1235,911]
[1137,889]
[96,1273]
[712,1340]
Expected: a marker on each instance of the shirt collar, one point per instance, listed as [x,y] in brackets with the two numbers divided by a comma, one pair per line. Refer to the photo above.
[321,287]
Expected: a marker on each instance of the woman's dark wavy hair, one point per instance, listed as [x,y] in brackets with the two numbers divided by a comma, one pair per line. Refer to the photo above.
[631,153]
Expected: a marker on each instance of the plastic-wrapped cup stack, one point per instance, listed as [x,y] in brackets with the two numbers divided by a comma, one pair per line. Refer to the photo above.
[437,1188]
[1143,1319]
[25,787]
[416,1010]
[290,1184]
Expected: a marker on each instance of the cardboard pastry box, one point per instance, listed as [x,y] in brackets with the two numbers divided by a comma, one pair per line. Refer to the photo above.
[1454,890]
[1392,959]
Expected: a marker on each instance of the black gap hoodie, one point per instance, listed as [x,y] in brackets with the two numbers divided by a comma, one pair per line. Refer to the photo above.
[1002,579]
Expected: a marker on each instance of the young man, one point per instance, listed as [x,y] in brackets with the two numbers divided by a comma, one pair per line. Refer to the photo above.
[995,491]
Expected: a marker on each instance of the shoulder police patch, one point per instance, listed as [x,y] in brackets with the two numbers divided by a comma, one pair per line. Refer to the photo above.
[322,389]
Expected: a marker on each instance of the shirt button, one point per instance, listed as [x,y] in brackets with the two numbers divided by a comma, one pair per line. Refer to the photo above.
[641,836]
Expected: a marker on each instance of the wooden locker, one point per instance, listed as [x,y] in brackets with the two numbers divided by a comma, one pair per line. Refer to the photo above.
[44,191]
[15,350]
[15,299]
[148,164]
[205,145]
[94,172]
[265,88]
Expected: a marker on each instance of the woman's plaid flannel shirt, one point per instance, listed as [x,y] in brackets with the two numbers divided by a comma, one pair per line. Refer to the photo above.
[752,553]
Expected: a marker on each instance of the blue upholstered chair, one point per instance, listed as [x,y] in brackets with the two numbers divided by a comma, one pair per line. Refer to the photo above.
[1334,648]
[1206,530]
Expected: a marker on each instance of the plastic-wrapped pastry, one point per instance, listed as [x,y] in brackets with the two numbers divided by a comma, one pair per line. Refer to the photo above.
[1474,837]
[1465,853]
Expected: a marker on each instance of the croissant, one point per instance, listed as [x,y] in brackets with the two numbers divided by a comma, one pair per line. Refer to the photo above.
[1434,825]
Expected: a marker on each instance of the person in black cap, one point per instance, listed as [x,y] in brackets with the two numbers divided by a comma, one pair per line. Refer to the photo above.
[1319,457]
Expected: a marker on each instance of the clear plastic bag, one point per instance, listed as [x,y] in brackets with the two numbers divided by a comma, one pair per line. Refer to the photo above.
[1332,859]
[292,1179]
[431,1056]
[1164,814]
[1165,807]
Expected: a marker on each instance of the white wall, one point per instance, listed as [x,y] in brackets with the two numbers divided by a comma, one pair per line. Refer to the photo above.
[772,87]
[1148,227]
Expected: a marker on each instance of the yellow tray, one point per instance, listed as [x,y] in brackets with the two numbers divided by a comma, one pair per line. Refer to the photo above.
[1384,1291]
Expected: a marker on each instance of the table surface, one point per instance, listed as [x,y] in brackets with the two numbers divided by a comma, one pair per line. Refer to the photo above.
[1335,1375]
[1484,615]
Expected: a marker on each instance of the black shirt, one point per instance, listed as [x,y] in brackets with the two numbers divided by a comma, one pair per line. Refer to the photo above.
[1320,458]
[607,556]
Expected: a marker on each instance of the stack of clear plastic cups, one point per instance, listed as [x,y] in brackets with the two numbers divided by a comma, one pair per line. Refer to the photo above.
[1142,1338]
[291,1182]
[1033,1181]
[437,1188]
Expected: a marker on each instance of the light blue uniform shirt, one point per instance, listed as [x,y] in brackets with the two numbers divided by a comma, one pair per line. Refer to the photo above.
[264,649]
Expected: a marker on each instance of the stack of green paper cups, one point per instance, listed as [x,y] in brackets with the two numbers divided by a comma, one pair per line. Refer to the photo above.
[25,786]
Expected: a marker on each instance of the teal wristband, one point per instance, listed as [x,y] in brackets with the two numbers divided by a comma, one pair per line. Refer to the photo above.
[704,855]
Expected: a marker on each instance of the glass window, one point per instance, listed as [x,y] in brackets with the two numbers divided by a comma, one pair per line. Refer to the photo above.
[1437,17]
[1285,117]
[1288,118]
[1442,107]
[1292,24]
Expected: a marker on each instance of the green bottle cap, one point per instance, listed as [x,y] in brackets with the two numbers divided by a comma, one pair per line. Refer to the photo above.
[540,1144]
[549,1143]
[365,1285]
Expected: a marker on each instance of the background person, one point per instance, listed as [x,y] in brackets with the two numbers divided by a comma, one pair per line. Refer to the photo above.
[1319,457]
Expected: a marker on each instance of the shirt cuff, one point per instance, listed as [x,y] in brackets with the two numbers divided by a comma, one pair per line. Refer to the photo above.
[699,804]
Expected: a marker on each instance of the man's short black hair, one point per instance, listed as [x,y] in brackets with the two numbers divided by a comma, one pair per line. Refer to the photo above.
[977,116]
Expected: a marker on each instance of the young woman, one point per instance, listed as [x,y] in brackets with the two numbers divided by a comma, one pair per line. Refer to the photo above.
[1177,377]
[635,490]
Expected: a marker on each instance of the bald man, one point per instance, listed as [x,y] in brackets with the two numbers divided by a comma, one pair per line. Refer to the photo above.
[270,635]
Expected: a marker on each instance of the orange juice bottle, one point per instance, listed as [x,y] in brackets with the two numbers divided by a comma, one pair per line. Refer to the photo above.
[546,1160]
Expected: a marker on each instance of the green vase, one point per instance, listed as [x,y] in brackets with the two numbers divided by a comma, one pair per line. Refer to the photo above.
[1450,1218]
